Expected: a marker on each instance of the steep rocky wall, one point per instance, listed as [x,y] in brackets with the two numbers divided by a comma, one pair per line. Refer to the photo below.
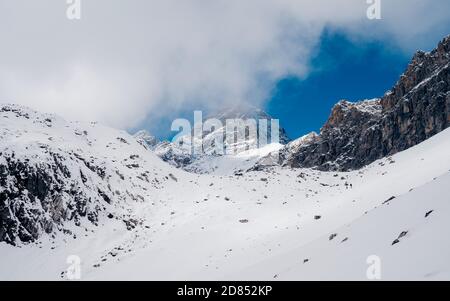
[356,134]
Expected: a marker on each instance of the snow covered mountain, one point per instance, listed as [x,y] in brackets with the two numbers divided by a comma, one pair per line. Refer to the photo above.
[146,139]
[94,192]
[246,112]
[209,161]
[56,175]
[356,134]
[372,186]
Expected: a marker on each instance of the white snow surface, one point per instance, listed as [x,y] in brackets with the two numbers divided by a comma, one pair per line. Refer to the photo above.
[262,225]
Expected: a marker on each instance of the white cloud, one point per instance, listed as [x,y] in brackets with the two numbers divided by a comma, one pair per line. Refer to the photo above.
[124,59]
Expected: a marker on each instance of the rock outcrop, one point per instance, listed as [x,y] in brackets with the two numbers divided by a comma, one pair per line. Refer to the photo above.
[356,134]
[38,198]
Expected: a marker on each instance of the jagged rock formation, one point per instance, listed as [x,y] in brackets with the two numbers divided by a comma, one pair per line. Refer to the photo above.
[356,134]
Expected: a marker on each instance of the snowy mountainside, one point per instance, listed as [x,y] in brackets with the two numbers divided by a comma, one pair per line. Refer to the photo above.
[55,174]
[278,223]
[234,164]
[146,139]
[237,157]
[246,112]
[409,235]
[174,154]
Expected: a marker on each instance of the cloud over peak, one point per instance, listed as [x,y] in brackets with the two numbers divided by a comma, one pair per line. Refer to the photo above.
[123,60]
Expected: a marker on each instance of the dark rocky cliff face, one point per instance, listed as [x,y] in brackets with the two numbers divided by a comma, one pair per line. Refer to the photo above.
[356,134]
[33,198]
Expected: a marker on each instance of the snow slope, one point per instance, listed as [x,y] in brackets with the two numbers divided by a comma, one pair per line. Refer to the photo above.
[105,171]
[261,225]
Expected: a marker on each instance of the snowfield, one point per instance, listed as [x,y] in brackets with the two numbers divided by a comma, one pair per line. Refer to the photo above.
[163,223]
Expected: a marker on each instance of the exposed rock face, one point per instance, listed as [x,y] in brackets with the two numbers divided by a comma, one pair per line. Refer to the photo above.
[356,134]
[37,198]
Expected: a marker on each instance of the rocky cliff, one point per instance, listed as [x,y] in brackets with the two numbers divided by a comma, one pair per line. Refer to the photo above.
[356,134]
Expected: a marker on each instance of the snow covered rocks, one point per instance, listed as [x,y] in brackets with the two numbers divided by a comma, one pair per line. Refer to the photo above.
[56,174]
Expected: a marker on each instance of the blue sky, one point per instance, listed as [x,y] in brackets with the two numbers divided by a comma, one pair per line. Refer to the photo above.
[342,69]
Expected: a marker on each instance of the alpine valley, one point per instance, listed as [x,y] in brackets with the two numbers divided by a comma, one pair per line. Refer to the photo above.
[374,182]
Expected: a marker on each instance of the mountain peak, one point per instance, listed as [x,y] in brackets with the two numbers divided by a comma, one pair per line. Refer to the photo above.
[242,111]
[346,112]
[356,134]
[245,111]
[145,138]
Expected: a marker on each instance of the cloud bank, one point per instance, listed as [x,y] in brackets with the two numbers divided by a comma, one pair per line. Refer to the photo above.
[126,59]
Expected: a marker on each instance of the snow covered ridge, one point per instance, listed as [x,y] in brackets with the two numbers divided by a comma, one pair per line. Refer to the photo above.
[146,139]
[209,148]
[57,174]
